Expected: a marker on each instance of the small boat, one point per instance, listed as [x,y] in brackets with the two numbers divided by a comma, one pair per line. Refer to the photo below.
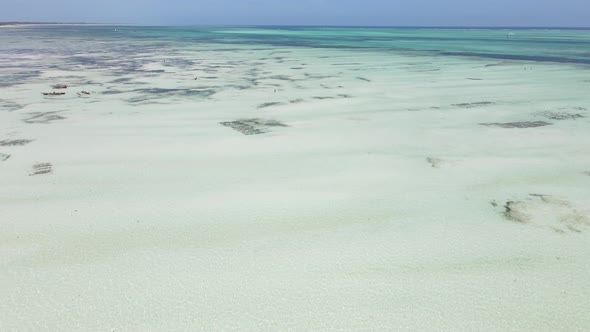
[53,93]
[60,86]
[84,92]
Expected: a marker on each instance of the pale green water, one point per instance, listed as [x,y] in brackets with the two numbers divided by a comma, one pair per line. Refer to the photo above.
[389,179]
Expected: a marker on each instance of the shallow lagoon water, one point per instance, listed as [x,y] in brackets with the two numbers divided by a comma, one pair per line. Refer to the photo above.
[294,178]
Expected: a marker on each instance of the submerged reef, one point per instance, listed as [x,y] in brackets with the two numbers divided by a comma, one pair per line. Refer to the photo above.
[557,214]
[42,168]
[252,126]
[15,142]
[522,124]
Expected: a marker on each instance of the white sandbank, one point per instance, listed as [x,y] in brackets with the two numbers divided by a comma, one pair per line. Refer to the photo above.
[156,217]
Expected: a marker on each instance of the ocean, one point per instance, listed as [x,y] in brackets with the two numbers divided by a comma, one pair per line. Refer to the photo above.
[294,178]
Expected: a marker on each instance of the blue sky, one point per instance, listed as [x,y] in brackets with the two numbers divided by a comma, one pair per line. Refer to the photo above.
[563,13]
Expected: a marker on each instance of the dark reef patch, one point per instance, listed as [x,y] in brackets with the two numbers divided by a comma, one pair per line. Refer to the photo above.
[316,76]
[112,92]
[512,212]
[181,92]
[422,70]
[9,106]
[565,113]
[269,104]
[499,64]
[474,104]
[122,80]
[15,142]
[179,63]
[42,168]
[252,126]
[522,124]
[542,210]
[17,78]
[347,64]
[43,117]
[435,162]
[518,57]
[561,115]
[157,93]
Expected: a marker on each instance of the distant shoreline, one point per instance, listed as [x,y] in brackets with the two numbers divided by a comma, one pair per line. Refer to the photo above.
[23,24]
[19,24]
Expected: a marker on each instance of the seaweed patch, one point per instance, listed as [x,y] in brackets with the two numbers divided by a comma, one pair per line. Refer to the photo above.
[542,210]
[122,80]
[475,104]
[435,162]
[15,142]
[281,78]
[561,115]
[515,211]
[564,113]
[157,93]
[9,105]
[318,77]
[43,117]
[523,124]
[112,92]
[252,126]
[18,78]
[265,105]
[42,168]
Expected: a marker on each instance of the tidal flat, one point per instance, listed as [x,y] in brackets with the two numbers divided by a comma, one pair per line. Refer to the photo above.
[294,179]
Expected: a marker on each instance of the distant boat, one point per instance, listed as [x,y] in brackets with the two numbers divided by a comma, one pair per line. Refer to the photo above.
[53,93]
[60,86]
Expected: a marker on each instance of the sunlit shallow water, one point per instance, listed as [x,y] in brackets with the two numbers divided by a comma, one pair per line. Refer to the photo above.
[294,178]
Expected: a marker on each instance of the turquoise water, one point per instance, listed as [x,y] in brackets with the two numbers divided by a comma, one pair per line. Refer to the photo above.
[524,44]
[109,46]
[256,179]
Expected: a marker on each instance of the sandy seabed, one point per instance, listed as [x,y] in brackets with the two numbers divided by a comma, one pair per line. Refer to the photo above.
[249,188]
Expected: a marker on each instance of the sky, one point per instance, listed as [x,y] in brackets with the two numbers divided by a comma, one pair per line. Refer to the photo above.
[532,13]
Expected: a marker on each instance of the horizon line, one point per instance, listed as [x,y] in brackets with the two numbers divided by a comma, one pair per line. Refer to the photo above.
[301,25]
